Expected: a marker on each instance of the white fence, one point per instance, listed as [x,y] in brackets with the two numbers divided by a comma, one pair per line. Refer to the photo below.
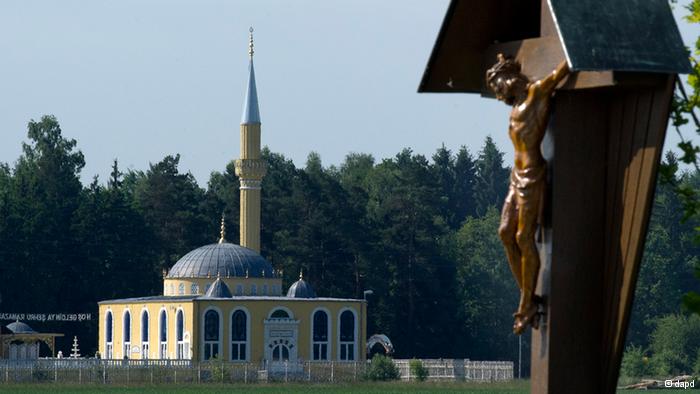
[458,369]
[185,371]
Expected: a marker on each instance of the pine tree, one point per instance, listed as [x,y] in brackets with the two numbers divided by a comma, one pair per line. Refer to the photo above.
[491,178]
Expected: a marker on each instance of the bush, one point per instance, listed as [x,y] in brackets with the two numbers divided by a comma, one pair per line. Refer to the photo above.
[418,370]
[382,368]
[635,364]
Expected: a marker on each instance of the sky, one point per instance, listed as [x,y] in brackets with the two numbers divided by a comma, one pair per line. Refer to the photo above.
[138,80]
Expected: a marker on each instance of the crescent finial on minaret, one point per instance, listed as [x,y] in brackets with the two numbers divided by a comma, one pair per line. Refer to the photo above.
[250,43]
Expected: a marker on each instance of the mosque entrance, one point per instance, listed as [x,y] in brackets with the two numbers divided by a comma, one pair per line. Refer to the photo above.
[281,335]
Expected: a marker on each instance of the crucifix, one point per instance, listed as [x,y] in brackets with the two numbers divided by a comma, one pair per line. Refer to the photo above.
[576,215]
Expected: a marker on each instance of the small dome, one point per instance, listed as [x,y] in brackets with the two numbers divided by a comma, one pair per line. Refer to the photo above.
[225,259]
[20,328]
[301,289]
[218,289]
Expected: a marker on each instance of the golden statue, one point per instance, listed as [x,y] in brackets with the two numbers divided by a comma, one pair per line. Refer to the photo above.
[521,209]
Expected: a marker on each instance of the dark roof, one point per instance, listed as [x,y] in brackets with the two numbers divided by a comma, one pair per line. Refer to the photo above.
[150,299]
[624,35]
[596,35]
[201,298]
[301,289]
[218,289]
[223,259]
[20,328]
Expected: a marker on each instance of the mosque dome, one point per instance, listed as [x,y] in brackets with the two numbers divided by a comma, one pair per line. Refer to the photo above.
[20,328]
[301,289]
[218,289]
[221,259]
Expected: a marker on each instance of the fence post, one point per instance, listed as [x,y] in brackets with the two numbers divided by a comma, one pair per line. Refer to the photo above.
[55,372]
[104,373]
[332,372]
[355,373]
[285,370]
[128,364]
[175,373]
[245,374]
[80,373]
[309,362]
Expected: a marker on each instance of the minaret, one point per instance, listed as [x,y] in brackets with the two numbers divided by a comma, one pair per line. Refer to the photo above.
[250,168]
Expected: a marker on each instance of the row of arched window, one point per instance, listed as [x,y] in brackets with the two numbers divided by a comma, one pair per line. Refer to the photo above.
[346,335]
[162,337]
[239,336]
[254,290]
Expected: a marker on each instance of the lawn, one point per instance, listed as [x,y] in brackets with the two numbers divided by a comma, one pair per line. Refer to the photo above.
[519,387]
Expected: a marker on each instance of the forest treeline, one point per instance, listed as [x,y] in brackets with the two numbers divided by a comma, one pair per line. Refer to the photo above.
[419,232]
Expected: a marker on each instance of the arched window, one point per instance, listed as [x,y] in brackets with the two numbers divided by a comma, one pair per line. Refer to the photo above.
[239,290]
[239,335]
[320,335]
[274,290]
[211,334]
[127,335]
[194,289]
[109,349]
[253,290]
[347,336]
[144,334]
[279,314]
[163,335]
[181,289]
[264,290]
[280,352]
[179,334]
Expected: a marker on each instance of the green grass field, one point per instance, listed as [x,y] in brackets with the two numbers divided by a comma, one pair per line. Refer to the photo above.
[516,387]
[281,388]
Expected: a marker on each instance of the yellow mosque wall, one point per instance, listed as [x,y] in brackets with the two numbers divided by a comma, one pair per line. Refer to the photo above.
[153,309]
[258,310]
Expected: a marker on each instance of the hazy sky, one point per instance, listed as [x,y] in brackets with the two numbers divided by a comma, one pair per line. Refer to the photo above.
[137,80]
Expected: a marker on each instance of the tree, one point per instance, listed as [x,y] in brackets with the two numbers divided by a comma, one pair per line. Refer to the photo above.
[491,177]
[413,277]
[674,344]
[465,184]
[223,197]
[172,206]
[486,290]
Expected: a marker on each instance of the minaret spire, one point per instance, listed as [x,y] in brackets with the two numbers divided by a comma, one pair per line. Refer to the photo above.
[251,112]
[250,168]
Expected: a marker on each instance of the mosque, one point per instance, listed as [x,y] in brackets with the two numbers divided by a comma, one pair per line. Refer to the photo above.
[226,301]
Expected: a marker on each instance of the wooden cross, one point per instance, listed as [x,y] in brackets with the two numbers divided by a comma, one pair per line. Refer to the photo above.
[606,131]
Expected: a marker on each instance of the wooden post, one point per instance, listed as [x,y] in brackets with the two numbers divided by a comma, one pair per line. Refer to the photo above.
[607,127]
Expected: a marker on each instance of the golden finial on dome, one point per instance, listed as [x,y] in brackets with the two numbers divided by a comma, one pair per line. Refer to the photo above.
[250,43]
[223,229]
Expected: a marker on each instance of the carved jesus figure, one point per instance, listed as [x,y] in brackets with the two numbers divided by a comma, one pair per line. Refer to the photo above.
[528,121]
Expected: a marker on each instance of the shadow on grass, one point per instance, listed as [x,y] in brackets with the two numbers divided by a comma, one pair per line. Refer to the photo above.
[515,387]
